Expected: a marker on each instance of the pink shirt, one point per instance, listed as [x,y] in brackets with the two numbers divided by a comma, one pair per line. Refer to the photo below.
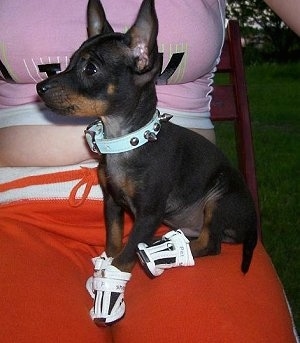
[34,33]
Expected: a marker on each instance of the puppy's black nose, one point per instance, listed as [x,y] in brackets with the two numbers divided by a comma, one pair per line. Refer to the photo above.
[42,87]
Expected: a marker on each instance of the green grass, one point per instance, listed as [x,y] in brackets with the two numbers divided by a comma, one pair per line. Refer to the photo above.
[274,97]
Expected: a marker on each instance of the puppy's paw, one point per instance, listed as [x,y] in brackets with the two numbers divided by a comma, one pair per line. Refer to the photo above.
[173,250]
[108,288]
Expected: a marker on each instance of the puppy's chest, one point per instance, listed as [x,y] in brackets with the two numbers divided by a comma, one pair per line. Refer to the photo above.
[121,182]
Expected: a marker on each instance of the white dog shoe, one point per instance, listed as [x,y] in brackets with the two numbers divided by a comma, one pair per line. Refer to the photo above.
[109,305]
[107,287]
[172,250]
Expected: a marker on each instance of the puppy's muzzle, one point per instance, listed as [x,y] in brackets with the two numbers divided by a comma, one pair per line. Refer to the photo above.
[45,86]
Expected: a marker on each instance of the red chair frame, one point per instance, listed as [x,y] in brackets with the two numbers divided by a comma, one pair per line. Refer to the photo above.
[230,103]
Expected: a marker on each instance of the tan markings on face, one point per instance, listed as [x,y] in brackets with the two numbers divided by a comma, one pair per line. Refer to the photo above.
[111,88]
[85,55]
[84,107]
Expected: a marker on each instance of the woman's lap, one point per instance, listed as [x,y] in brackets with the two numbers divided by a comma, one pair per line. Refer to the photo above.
[43,296]
[46,260]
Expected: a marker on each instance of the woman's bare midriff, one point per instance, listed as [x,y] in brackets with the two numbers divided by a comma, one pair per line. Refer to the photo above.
[24,146]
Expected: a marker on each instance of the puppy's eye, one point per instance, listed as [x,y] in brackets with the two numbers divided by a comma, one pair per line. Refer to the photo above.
[90,69]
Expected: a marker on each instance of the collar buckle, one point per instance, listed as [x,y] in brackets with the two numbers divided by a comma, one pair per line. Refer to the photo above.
[93,131]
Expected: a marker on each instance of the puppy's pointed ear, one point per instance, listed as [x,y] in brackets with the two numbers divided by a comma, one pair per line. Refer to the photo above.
[143,34]
[97,23]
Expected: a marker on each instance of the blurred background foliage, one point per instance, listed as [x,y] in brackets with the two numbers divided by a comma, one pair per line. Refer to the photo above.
[265,37]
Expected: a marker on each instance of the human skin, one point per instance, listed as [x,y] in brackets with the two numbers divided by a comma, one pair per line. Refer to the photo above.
[288,11]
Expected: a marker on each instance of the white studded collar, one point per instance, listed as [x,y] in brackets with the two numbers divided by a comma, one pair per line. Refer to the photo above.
[94,135]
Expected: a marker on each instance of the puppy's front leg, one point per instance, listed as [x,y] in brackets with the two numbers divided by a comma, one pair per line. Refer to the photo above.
[110,282]
[143,230]
[114,222]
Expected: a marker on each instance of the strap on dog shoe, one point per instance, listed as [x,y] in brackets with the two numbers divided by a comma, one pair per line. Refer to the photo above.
[109,305]
[173,250]
[100,263]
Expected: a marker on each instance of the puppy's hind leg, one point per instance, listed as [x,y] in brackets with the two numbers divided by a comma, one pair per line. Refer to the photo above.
[231,219]
[209,240]
[174,249]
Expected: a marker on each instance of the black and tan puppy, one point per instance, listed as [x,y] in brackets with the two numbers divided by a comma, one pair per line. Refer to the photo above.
[158,171]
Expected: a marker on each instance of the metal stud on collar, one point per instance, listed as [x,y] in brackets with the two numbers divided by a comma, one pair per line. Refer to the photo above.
[134,141]
[164,117]
[150,136]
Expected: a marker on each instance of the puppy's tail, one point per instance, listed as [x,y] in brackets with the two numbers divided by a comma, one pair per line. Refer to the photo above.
[248,248]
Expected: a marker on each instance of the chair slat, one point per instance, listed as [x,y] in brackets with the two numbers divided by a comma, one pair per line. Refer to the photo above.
[230,103]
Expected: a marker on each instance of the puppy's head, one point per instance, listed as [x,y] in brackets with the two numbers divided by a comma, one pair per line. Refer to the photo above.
[110,70]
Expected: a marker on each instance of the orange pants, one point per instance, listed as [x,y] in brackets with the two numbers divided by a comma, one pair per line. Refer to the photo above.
[46,249]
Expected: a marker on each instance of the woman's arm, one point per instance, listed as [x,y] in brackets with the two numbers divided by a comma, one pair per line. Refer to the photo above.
[288,11]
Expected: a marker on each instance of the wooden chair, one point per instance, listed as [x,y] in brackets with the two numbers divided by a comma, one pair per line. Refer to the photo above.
[230,103]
